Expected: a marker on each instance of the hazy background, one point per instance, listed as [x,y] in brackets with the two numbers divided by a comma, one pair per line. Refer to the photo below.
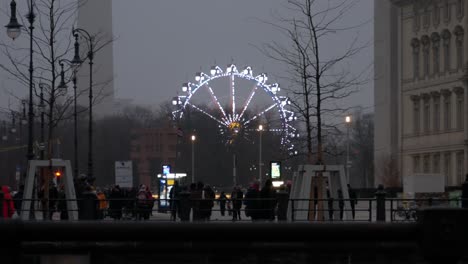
[161,44]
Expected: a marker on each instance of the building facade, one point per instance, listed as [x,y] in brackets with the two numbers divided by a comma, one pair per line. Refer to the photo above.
[96,18]
[420,89]
[150,149]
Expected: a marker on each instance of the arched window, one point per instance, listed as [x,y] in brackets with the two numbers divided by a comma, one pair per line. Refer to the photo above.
[460,9]
[446,11]
[426,17]
[426,112]
[436,111]
[415,45]
[447,95]
[425,41]
[416,114]
[435,37]
[436,14]
[446,37]
[416,18]
[460,104]
[459,41]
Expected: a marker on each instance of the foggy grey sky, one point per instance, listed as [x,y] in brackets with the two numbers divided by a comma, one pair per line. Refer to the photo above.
[163,43]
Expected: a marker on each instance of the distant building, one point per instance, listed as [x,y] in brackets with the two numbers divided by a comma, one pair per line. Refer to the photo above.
[150,149]
[420,89]
[96,18]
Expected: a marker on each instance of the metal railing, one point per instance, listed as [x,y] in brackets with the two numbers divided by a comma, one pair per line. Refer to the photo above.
[291,210]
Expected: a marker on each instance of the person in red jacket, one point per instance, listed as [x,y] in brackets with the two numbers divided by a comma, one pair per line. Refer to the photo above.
[8,207]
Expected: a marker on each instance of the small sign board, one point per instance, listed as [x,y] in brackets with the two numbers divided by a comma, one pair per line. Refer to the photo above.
[124,174]
[275,170]
[166,169]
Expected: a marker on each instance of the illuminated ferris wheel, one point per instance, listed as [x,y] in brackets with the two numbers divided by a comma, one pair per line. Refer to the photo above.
[240,120]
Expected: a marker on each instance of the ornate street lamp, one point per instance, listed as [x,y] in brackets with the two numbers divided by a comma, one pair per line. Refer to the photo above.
[13,31]
[74,64]
[77,61]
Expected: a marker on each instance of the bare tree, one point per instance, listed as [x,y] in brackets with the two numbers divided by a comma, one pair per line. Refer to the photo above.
[318,83]
[52,43]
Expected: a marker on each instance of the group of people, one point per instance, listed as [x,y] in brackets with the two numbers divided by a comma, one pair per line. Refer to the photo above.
[116,202]
[260,204]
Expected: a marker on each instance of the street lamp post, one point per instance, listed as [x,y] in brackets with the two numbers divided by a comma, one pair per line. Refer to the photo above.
[348,124]
[13,31]
[193,157]
[42,108]
[76,60]
[260,130]
[74,64]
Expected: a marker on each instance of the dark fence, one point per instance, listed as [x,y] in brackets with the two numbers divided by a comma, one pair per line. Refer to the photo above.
[379,208]
[439,236]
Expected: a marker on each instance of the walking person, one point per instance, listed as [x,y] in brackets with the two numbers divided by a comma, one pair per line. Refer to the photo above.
[222,203]
[195,198]
[8,207]
[102,204]
[144,203]
[236,197]
[116,203]
[341,203]
[62,203]
[330,204]
[174,200]
[352,200]
[207,203]
[252,202]
[90,204]
[18,199]
[268,201]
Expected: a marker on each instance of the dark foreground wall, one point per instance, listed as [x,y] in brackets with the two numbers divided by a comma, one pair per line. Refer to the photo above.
[440,236]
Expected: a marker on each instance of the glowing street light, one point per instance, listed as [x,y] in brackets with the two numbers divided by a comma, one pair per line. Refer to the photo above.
[260,130]
[193,137]
[348,124]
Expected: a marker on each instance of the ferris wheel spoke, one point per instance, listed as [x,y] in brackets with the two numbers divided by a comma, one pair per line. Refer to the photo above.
[247,103]
[233,95]
[260,114]
[206,113]
[216,101]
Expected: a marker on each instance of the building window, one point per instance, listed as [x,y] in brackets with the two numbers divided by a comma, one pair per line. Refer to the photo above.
[426,163]
[425,41]
[447,110]
[436,163]
[435,37]
[416,164]
[446,36]
[415,45]
[436,114]
[460,9]
[416,18]
[459,37]
[447,11]
[447,168]
[436,15]
[460,157]
[460,107]
[426,18]
[427,114]
[416,114]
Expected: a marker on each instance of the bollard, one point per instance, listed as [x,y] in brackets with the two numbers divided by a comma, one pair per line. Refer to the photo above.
[184,206]
[282,198]
[380,198]
[465,193]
